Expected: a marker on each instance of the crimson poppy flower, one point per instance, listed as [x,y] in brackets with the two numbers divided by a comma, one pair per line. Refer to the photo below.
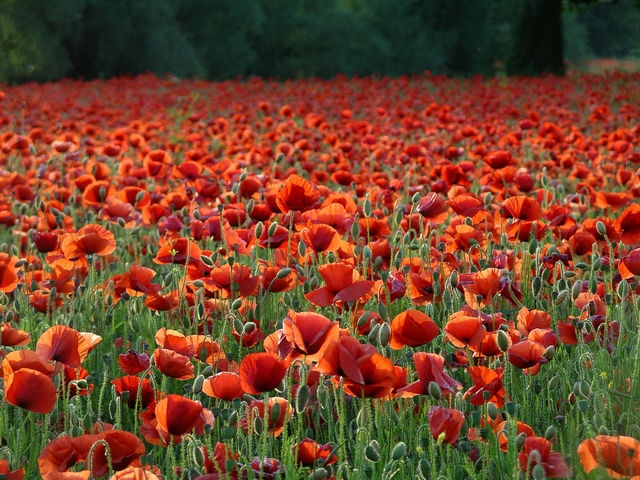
[274,238]
[308,452]
[445,424]
[309,333]
[12,337]
[224,385]
[177,415]
[90,239]
[176,341]
[8,473]
[216,463]
[138,392]
[430,368]
[173,364]
[629,224]
[256,409]
[342,286]
[252,372]
[527,355]
[95,193]
[412,328]
[124,448]
[45,242]
[229,282]
[8,277]
[378,377]
[334,215]
[629,265]
[552,462]
[464,330]
[484,284]
[421,286]
[617,454]
[321,238]
[433,208]
[271,282]
[486,380]
[297,194]
[133,362]
[63,344]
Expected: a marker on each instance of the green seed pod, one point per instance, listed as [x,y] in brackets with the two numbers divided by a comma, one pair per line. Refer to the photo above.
[562,296]
[434,390]
[576,290]
[364,318]
[550,352]
[538,472]
[258,425]
[536,286]
[284,273]
[551,432]
[600,228]
[492,410]
[371,454]
[373,334]
[198,457]
[584,388]
[623,289]
[318,474]
[424,469]
[520,441]
[399,451]
[302,398]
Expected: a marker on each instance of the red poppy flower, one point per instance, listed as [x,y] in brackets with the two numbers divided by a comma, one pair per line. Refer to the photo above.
[433,208]
[252,372]
[342,286]
[486,380]
[63,344]
[484,284]
[176,341]
[179,251]
[552,462]
[274,284]
[173,364]
[321,238]
[429,367]
[136,473]
[464,331]
[421,286]
[503,432]
[230,282]
[124,449]
[8,277]
[45,242]
[12,337]
[224,385]
[530,319]
[309,333]
[29,389]
[256,409]
[177,415]
[297,195]
[412,328]
[445,424]
[523,208]
[618,455]
[8,474]
[629,265]
[308,452]
[133,362]
[90,239]
[217,463]
[132,385]
[378,377]
[527,355]
[629,224]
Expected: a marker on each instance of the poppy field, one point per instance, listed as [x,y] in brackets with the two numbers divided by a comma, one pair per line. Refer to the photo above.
[416,277]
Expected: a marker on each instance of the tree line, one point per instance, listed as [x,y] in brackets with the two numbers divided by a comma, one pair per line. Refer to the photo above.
[222,39]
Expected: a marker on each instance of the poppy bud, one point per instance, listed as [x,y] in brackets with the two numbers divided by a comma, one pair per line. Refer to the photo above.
[275,413]
[198,384]
[533,246]
[367,207]
[453,279]
[520,440]
[583,388]
[576,290]
[198,457]
[492,410]
[258,425]
[538,471]
[399,451]
[550,433]
[424,469]
[302,398]
[233,418]
[237,304]
[87,422]
[553,383]
[536,286]
[135,324]
[562,296]
[623,289]
[511,407]
[416,198]
[228,432]
[362,418]
[237,325]
[371,454]
[322,392]
[382,311]
[318,474]
[384,334]
[597,263]
[284,273]
[550,352]
[364,318]
[434,390]
[583,405]
[9,316]
[503,340]
[259,229]
[207,260]
[373,334]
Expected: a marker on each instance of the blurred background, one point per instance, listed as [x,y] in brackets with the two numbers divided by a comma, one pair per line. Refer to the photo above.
[223,39]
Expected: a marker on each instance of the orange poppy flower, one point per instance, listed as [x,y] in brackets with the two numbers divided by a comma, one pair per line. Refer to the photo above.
[430,368]
[486,380]
[297,194]
[252,368]
[334,215]
[63,344]
[530,319]
[278,237]
[8,277]
[8,474]
[124,449]
[256,409]
[12,337]
[308,452]
[502,431]
[29,389]
[230,282]
[321,238]
[309,333]
[378,377]
[433,208]
[527,355]
[629,265]
[95,194]
[342,286]
[224,385]
[162,303]
[618,455]
[157,163]
[176,341]
[45,242]
[464,331]
[445,424]
[177,415]
[90,239]
[412,328]
[552,462]
[179,251]
[138,392]
[523,208]
[173,364]
[272,283]
[135,473]
[421,286]
[629,224]
[484,284]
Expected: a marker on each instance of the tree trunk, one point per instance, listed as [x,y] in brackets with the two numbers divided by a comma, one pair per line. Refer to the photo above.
[537,44]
